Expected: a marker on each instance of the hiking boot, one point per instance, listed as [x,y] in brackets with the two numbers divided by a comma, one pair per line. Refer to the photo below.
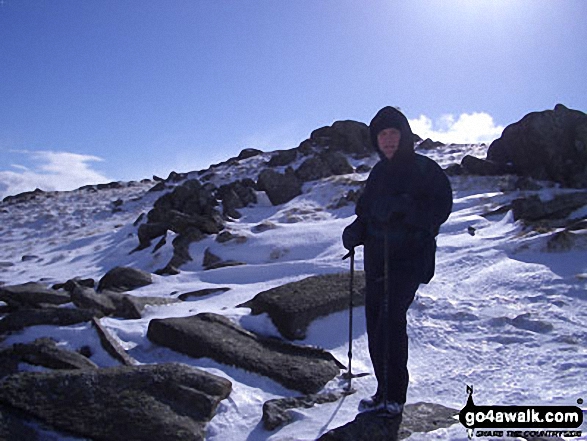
[369,404]
[377,405]
[390,409]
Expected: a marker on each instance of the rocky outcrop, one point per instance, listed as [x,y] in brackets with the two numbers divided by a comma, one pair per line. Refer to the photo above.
[533,209]
[292,307]
[483,167]
[190,206]
[124,279]
[416,418]
[212,261]
[276,413]
[549,145]
[149,402]
[32,295]
[23,318]
[213,336]
[428,144]
[236,195]
[344,136]
[280,187]
[115,303]
[323,165]
[282,158]
[45,352]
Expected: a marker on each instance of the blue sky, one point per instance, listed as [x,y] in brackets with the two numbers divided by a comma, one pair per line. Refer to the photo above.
[123,89]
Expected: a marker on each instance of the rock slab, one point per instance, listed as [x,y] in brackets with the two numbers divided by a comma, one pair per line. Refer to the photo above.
[416,418]
[300,368]
[293,306]
[149,402]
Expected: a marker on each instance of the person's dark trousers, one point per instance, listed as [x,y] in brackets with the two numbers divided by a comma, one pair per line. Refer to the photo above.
[390,330]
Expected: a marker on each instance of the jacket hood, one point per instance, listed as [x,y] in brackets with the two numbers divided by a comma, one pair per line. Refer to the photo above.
[390,117]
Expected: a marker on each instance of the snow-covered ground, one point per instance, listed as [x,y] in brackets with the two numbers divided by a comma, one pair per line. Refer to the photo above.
[461,325]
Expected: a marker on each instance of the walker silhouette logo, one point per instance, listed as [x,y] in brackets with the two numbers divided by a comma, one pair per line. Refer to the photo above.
[554,418]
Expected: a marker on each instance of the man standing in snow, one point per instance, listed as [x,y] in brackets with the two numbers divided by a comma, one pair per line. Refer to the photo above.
[406,199]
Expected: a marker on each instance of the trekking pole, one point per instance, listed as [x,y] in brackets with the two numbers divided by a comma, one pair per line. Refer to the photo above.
[386,315]
[349,374]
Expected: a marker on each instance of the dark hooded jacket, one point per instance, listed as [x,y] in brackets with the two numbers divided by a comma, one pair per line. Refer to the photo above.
[408,198]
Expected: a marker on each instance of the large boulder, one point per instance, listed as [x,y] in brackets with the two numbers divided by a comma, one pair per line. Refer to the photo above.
[345,136]
[45,352]
[280,187]
[323,165]
[293,306]
[416,418]
[548,145]
[189,206]
[23,318]
[123,278]
[301,368]
[116,303]
[32,295]
[148,402]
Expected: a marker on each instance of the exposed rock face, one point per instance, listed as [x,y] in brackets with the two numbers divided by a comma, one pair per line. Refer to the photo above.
[189,206]
[345,136]
[533,209]
[483,167]
[280,188]
[416,418]
[292,307]
[124,279]
[238,194]
[45,352]
[283,157]
[428,144]
[212,261]
[115,303]
[277,413]
[149,402]
[548,145]
[209,335]
[32,295]
[323,165]
[17,320]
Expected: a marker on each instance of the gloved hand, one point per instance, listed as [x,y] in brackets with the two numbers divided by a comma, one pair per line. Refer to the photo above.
[353,235]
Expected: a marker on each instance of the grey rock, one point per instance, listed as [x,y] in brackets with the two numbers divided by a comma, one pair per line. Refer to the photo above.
[323,165]
[45,352]
[344,136]
[280,188]
[148,402]
[18,320]
[116,303]
[212,261]
[213,336]
[276,413]
[248,153]
[87,298]
[428,144]
[201,293]
[292,307]
[124,279]
[549,145]
[483,167]
[532,208]
[282,158]
[31,295]
[416,418]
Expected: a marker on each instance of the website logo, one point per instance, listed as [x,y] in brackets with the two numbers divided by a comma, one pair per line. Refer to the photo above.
[559,420]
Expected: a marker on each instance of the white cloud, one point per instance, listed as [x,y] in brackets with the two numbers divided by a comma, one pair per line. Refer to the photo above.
[50,171]
[466,129]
